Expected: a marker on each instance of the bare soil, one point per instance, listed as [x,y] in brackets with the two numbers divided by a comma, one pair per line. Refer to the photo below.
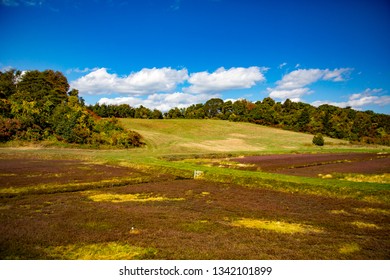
[313,164]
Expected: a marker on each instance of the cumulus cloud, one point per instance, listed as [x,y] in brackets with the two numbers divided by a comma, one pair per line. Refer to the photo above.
[359,100]
[162,102]
[292,94]
[158,88]
[222,79]
[144,82]
[336,75]
[295,84]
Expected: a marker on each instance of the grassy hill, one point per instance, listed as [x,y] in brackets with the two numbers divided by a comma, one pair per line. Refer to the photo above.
[182,136]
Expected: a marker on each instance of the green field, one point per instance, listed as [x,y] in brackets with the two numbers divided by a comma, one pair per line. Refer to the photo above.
[181,136]
[143,203]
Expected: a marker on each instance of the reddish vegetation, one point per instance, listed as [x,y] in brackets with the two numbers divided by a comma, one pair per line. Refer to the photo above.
[195,228]
[26,172]
[314,164]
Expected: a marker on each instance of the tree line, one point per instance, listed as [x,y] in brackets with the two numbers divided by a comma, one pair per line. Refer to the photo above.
[39,105]
[342,123]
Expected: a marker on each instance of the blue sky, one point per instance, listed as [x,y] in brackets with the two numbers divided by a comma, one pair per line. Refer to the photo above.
[167,53]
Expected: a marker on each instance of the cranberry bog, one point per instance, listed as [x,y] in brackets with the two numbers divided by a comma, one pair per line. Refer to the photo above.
[145,203]
[319,165]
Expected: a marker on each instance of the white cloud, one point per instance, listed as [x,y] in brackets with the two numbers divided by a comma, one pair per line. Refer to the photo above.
[144,82]
[359,100]
[336,75]
[162,102]
[282,65]
[299,78]
[294,84]
[222,79]
[295,93]
[78,70]
[158,88]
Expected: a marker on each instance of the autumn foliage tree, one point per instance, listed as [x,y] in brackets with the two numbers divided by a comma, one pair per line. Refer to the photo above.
[38,106]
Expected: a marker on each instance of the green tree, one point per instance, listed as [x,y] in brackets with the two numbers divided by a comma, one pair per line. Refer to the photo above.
[174,113]
[156,114]
[42,87]
[303,119]
[240,108]
[318,140]
[269,102]
[213,107]
[227,109]
[195,112]
[142,113]
[8,81]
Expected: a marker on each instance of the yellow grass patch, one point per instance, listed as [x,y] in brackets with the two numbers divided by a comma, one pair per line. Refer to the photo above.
[197,226]
[134,231]
[339,212]
[349,248]
[97,225]
[99,251]
[372,199]
[233,164]
[278,226]
[325,176]
[368,210]
[7,174]
[383,178]
[85,167]
[137,197]
[5,207]
[363,225]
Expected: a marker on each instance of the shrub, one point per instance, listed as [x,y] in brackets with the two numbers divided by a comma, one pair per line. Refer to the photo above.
[318,140]
[9,128]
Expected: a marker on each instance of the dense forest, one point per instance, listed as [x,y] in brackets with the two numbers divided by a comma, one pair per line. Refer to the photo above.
[36,106]
[332,121]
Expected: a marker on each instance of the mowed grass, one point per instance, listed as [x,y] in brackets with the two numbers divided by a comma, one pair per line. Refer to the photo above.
[155,210]
[181,136]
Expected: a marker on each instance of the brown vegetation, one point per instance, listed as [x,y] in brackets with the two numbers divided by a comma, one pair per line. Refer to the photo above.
[196,219]
[313,164]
